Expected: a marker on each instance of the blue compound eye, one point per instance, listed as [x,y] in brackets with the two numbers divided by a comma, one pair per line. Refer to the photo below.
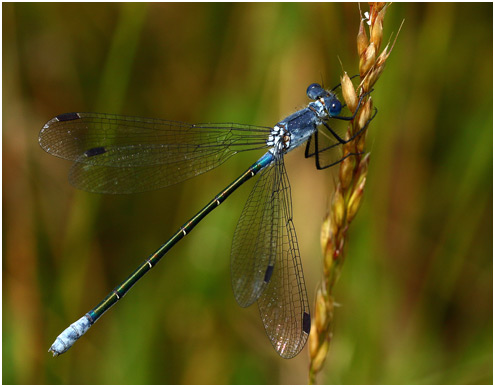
[315,91]
[333,106]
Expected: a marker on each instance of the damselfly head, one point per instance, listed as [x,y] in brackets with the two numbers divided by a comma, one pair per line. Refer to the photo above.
[328,99]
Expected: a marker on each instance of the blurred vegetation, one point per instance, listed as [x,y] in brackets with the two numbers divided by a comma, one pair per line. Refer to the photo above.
[416,289]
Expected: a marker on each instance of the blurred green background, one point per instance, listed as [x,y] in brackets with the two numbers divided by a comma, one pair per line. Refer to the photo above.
[416,289]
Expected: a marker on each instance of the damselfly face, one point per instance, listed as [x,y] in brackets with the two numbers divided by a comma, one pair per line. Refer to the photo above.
[329,100]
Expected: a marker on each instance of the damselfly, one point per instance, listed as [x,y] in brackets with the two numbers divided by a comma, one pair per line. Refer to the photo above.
[118,154]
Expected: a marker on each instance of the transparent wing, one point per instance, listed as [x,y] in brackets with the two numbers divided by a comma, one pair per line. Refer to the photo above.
[266,265]
[121,154]
[283,305]
[253,252]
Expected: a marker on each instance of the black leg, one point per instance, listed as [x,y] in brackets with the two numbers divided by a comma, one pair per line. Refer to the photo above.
[342,141]
[308,145]
[318,151]
[359,132]
[337,137]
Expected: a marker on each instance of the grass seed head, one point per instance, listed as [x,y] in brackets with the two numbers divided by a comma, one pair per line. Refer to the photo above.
[325,232]
[367,59]
[363,166]
[364,114]
[360,144]
[338,209]
[313,342]
[352,179]
[321,312]
[355,200]
[328,259]
[376,34]
[345,171]
[372,77]
[320,357]
[349,93]
[375,9]
[382,58]
[362,39]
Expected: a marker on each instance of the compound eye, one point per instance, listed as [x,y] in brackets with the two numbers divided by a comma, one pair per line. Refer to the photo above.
[314,91]
[334,107]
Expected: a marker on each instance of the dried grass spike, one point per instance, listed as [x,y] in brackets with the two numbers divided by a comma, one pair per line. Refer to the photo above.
[345,172]
[349,93]
[338,209]
[313,342]
[352,180]
[320,356]
[367,60]
[321,311]
[376,34]
[362,39]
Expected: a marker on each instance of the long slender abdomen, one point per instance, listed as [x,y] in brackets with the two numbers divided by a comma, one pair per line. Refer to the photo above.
[71,334]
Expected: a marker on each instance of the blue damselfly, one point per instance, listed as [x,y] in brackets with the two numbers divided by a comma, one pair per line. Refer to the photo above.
[119,154]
